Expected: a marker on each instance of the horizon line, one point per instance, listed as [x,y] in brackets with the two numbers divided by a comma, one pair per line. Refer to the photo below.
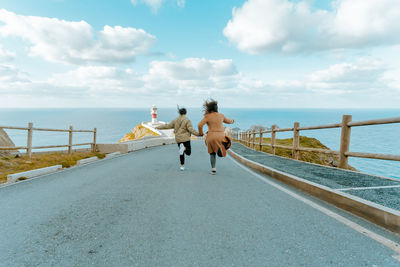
[227,107]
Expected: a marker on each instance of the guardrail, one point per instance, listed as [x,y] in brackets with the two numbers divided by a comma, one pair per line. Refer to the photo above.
[30,130]
[249,138]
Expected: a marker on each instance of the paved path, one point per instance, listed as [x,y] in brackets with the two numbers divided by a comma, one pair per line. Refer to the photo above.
[385,192]
[140,210]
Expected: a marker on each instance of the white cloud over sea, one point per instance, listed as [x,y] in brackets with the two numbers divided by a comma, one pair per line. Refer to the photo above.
[75,42]
[5,55]
[190,76]
[261,26]
[194,79]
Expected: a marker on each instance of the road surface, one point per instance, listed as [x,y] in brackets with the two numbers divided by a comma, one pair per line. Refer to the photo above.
[141,210]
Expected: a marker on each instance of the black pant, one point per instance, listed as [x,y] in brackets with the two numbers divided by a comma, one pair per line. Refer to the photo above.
[188,151]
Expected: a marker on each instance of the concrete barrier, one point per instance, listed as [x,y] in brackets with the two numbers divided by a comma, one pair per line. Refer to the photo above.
[11,178]
[85,161]
[111,155]
[384,216]
[134,145]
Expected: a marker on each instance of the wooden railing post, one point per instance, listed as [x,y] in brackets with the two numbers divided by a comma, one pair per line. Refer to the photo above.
[94,140]
[296,141]
[29,141]
[273,135]
[249,144]
[254,139]
[70,140]
[261,140]
[345,142]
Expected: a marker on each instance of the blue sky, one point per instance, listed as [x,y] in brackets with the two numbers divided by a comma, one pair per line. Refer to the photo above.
[247,53]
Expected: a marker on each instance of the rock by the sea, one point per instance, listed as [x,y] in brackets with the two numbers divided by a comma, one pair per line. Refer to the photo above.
[5,141]
[139,132]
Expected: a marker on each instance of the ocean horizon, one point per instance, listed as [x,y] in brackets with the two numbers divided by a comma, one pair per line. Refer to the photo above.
[113,123]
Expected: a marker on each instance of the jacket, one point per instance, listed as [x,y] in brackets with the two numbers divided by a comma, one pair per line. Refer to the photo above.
[216,134]
[182,128]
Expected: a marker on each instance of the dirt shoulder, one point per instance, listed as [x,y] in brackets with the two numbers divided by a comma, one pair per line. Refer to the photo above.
[12,164]
[307,142]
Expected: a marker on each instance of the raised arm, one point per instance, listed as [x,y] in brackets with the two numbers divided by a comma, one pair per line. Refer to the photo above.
[170,125]
[190,128]
[228,121]
[200,126]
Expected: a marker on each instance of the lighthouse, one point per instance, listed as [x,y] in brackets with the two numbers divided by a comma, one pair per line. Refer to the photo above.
[153,112]
[148,129]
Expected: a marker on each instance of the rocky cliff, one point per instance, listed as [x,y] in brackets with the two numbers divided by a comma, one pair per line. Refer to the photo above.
[5,141]
[138,132]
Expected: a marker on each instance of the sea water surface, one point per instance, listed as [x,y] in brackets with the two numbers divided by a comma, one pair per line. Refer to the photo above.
[113,123]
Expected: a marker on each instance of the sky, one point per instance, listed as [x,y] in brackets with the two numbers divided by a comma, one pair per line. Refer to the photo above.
[243,53]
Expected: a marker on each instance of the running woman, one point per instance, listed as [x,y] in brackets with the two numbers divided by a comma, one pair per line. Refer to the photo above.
[216,141]
[183,129]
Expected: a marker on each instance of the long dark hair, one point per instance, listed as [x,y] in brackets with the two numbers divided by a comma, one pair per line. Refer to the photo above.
[210,105]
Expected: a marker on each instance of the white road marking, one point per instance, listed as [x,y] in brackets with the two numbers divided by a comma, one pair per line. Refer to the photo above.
[366,188]
[383,240]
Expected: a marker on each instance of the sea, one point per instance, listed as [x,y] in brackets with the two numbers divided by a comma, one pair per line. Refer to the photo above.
[113,123]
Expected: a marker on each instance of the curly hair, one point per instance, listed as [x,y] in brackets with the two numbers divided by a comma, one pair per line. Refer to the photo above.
[210,106]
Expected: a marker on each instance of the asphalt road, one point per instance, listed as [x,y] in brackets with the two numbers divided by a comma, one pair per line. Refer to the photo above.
[140,210]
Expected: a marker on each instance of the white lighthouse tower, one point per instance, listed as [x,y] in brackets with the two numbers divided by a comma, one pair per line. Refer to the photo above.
[153,112]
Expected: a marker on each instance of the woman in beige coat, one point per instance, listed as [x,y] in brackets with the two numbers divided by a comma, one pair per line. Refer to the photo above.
[217,142]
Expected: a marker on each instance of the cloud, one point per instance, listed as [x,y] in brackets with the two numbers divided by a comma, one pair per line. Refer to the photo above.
[181,3]
[189,77]
[101,80]
[75,42]
[261,26]
[6,55]
[363,75]
[193,69]
[11,75]
[193,75]
[365,82]
[155,5]
[364,70]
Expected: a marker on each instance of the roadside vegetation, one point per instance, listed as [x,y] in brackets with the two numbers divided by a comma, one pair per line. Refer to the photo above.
[13,164]
[307,142]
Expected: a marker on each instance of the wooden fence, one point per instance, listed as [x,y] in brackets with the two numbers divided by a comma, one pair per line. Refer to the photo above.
[31,129]
[249,138]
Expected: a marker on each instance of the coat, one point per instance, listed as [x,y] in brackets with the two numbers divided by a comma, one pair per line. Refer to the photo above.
[182,128]
[215,134]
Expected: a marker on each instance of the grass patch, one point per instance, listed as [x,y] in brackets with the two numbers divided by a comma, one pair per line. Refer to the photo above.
[12,164]
[307,142]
